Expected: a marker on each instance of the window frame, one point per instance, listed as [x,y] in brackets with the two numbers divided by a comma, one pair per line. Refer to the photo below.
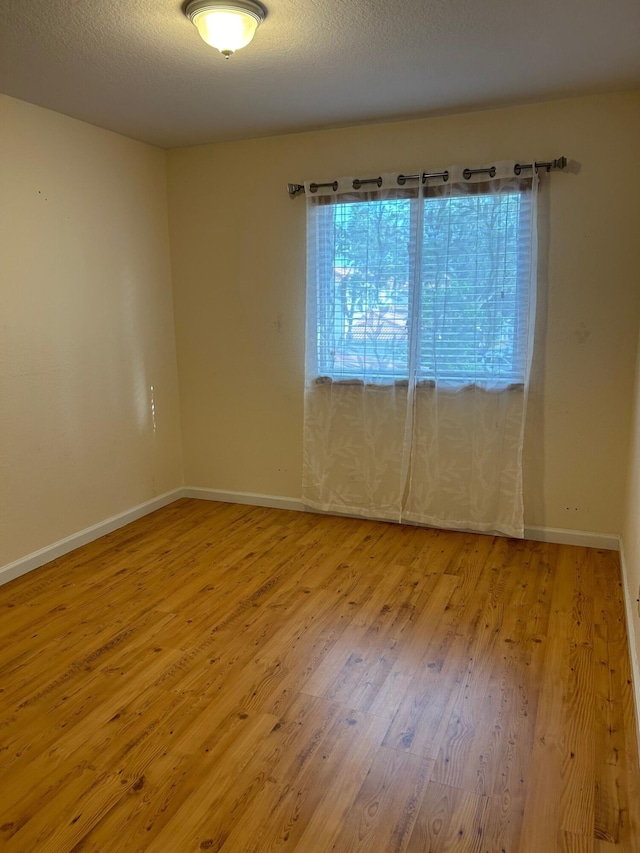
[418,199]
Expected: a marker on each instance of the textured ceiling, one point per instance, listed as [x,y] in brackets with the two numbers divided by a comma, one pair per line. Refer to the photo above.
[141,69]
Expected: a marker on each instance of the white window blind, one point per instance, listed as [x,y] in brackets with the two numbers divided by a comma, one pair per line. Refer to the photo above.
[430,286]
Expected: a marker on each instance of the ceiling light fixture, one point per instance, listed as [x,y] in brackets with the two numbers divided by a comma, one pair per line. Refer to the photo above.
[226,25]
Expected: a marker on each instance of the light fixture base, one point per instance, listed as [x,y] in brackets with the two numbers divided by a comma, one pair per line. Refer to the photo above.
[250,7]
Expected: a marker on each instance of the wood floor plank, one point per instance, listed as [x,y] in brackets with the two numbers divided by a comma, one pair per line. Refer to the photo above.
[409,660]
[511,758]
[617,795]
[542,798]
[569,842]
[311,789]
[577,800]
[449,820]
[206,749]
[467,712]
[281,754]
[235,678]
[384,812]
[345,776]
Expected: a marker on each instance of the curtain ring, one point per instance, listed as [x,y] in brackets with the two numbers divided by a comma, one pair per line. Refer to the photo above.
[358,182]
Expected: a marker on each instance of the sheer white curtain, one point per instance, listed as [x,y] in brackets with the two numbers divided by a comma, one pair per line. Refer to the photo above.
[420,314]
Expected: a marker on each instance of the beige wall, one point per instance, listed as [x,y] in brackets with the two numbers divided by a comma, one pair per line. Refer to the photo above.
[238,253]
[86,314]
[86,328]
[631,535]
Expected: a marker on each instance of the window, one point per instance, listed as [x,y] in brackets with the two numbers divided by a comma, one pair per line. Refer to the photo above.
[432,285]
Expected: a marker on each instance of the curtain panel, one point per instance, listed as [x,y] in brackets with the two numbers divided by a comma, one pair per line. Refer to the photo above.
[420,320]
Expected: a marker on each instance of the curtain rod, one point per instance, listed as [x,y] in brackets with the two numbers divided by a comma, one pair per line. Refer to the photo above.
[550,165]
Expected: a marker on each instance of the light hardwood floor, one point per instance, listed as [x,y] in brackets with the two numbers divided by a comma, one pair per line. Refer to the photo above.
[223,677]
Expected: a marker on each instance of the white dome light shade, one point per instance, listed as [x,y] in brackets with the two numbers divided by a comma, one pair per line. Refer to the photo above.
[227,26]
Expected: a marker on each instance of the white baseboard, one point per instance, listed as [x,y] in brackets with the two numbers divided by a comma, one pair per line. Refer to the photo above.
[557,535]
[51,552]
[273,501]
[629,601]
[70,543]
[561,536]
